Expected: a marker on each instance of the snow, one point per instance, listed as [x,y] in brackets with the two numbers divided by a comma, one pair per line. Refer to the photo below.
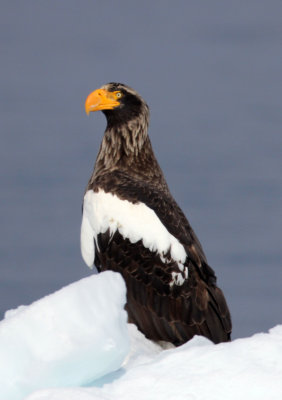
[249,368]
[75,345]
[69,338]
[102,211]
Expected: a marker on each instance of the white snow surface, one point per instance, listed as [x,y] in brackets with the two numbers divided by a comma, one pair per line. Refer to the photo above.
[69,338]
[102,211]
[75,345]
[249,368]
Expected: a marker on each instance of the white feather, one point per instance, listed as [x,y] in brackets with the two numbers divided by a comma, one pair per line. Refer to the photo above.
[102,211]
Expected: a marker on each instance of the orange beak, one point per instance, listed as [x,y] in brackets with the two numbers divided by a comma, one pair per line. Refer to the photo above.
[100,99]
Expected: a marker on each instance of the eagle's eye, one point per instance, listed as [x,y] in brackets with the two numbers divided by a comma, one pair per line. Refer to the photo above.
[118,95]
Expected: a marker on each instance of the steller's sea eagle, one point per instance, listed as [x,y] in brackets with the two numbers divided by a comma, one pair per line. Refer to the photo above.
[131,224]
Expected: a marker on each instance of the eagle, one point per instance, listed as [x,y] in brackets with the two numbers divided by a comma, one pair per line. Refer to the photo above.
[131,224]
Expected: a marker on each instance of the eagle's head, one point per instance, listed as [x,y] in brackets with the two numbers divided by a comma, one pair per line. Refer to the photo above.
[120,103]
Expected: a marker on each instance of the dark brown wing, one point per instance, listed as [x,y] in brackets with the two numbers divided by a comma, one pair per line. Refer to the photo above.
[162,312]
[161,201]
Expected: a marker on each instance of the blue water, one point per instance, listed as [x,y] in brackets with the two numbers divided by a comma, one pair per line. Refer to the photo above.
[211,73]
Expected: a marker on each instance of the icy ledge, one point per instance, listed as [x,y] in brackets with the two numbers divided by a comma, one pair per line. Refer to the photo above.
[246,369]
[78,337]
[68,338]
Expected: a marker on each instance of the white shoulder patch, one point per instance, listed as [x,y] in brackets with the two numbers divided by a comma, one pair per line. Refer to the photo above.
[103,211]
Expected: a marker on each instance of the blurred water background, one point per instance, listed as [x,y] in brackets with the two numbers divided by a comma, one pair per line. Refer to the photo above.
[211,72]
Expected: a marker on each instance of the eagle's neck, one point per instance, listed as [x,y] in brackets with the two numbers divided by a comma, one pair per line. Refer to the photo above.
[126,147]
